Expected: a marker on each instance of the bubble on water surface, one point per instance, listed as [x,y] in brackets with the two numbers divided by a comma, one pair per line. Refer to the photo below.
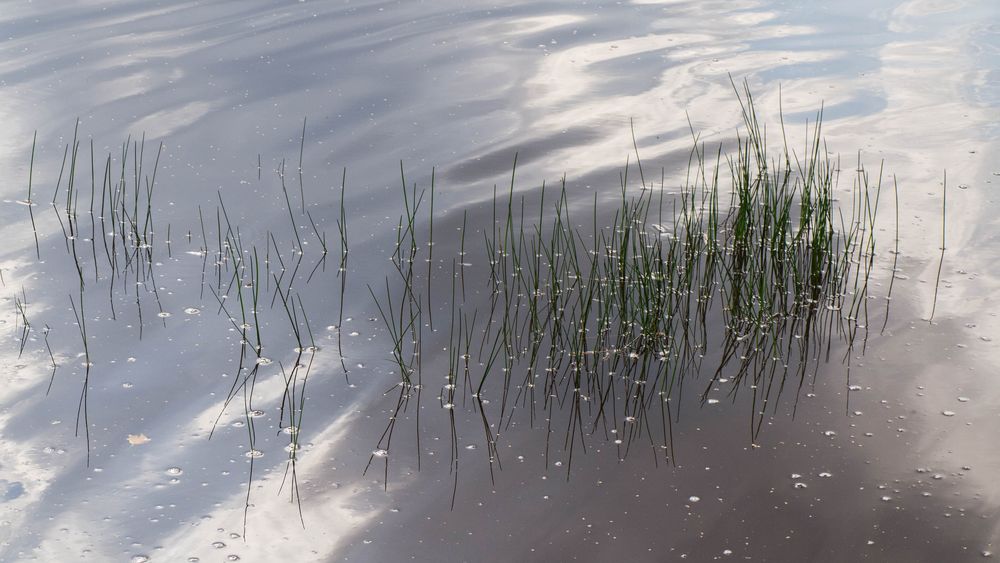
[262,361]
[163,314]
[174,471]
[963,399]
[192,311]
[380,453]
[693,498]
[218,544]
[253,454]
[139,558]
[948,413]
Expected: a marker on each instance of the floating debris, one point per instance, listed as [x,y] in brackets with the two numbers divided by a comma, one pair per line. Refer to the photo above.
[137,439]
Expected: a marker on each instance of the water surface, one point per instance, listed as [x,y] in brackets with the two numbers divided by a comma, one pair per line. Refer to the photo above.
[225,87]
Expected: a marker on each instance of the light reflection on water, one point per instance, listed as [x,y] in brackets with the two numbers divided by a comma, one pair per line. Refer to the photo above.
[438,84]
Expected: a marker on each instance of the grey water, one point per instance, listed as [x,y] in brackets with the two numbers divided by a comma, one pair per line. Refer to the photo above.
[889,458]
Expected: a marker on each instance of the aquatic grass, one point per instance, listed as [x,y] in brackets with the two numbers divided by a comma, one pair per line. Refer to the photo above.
[585,313]
[52,360]
[21,320]
[29,202]
[944,213]
[759,281]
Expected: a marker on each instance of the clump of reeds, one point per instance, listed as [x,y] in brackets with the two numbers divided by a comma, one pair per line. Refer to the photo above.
[749,273]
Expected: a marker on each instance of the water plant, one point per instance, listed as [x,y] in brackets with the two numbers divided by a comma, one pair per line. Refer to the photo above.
[747,275]
[588,313]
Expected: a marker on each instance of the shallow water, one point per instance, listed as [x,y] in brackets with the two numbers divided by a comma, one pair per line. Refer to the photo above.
[226,86]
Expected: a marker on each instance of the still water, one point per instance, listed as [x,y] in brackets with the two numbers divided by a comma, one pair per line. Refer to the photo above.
[893,460]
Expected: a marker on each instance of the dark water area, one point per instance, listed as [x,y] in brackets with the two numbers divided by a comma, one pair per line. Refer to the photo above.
[145,444]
